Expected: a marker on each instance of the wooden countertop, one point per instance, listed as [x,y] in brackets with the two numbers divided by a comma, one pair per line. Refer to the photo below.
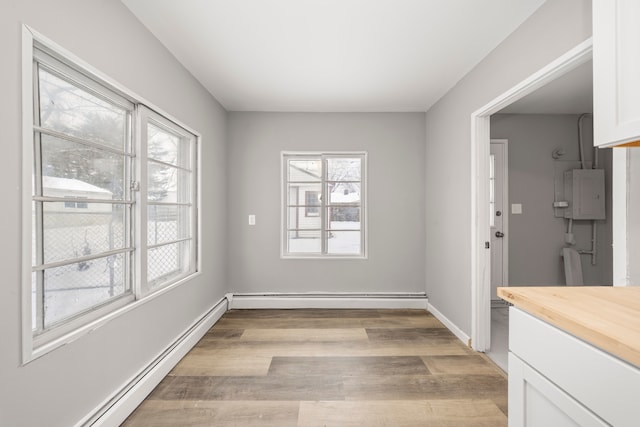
[604,316]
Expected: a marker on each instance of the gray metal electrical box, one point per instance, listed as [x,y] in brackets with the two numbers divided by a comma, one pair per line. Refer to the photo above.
[584,190]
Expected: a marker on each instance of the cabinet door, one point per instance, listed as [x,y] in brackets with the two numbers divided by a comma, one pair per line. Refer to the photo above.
[616,71]
[606,385]
[534,401]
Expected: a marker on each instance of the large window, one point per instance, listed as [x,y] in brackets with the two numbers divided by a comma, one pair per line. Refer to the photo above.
[324,208]
[113,213]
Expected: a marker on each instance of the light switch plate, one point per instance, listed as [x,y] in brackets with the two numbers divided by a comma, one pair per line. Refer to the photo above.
[516,209]
[252,220]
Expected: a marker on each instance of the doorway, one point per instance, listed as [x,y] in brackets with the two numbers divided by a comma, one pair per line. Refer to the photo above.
[481,255]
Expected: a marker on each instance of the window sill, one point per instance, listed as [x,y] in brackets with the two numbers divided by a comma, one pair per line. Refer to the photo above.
[325,257]
[34,353]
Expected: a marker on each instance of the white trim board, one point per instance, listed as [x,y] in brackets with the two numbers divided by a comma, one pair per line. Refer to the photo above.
[115,409]
[449,324]
[620,197]
[328,301]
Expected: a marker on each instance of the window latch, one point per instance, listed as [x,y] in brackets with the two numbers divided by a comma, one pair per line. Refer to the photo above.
[134,186]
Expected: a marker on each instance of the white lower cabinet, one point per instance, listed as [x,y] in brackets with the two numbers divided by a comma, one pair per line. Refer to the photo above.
[557,380]
[536,401]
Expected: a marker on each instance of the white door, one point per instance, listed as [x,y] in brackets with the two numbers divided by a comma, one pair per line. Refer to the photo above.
[497,214]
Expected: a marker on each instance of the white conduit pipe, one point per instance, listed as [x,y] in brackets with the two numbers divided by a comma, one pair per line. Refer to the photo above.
[594,226]
[580,149]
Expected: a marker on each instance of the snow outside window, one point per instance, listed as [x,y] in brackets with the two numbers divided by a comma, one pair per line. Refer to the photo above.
[81,251]
[170,201]
[107,226]
[324,205]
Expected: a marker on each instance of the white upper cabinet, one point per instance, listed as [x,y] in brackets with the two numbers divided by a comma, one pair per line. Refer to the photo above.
[616,71]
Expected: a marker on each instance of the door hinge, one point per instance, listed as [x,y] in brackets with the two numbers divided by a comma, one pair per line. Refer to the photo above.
[487,245]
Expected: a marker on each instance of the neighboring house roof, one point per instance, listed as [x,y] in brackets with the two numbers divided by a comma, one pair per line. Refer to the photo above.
[67,184]
[304,171]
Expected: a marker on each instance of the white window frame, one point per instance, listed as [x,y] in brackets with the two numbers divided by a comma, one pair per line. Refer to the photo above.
[284,220]
[34,346]
[145,116]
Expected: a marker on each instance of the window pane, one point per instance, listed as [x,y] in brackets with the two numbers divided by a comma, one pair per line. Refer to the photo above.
[75,170]
[492,166]
[34,237]
[492,187]
[168,184]
[74,288]
[298,219]
[344,192]
[166,263]
[167,223]
[492,214]
[343,242]
[297,193]
[75,232]
[343,169]
[344,218]
[304,241]
[305,170]
[69,109]
[163,146]
[34,305]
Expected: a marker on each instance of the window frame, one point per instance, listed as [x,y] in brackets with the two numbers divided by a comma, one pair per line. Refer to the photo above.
[324,206]
[146,116]
[83,322]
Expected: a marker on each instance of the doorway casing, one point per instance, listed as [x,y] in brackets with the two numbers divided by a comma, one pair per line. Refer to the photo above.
[480,147]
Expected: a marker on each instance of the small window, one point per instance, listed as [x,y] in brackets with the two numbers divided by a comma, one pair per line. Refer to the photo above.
[324,205]
[312,199]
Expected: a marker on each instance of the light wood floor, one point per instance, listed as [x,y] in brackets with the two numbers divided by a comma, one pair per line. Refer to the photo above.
[328,368]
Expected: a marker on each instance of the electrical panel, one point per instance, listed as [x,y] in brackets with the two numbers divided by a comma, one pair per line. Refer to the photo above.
[584,191]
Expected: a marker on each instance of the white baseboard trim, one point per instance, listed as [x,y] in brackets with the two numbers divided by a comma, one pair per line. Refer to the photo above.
[114,410]
[328,301]
[450,325]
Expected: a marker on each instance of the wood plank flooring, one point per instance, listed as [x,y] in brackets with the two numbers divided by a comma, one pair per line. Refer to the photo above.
[328,368]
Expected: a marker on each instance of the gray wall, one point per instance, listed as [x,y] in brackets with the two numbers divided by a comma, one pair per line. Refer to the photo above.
[61,387]
[537,236]
[555,28]
[396,204]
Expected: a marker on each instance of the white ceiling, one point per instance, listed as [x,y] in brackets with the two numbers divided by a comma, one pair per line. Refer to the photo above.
[330,55]
[571,93]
